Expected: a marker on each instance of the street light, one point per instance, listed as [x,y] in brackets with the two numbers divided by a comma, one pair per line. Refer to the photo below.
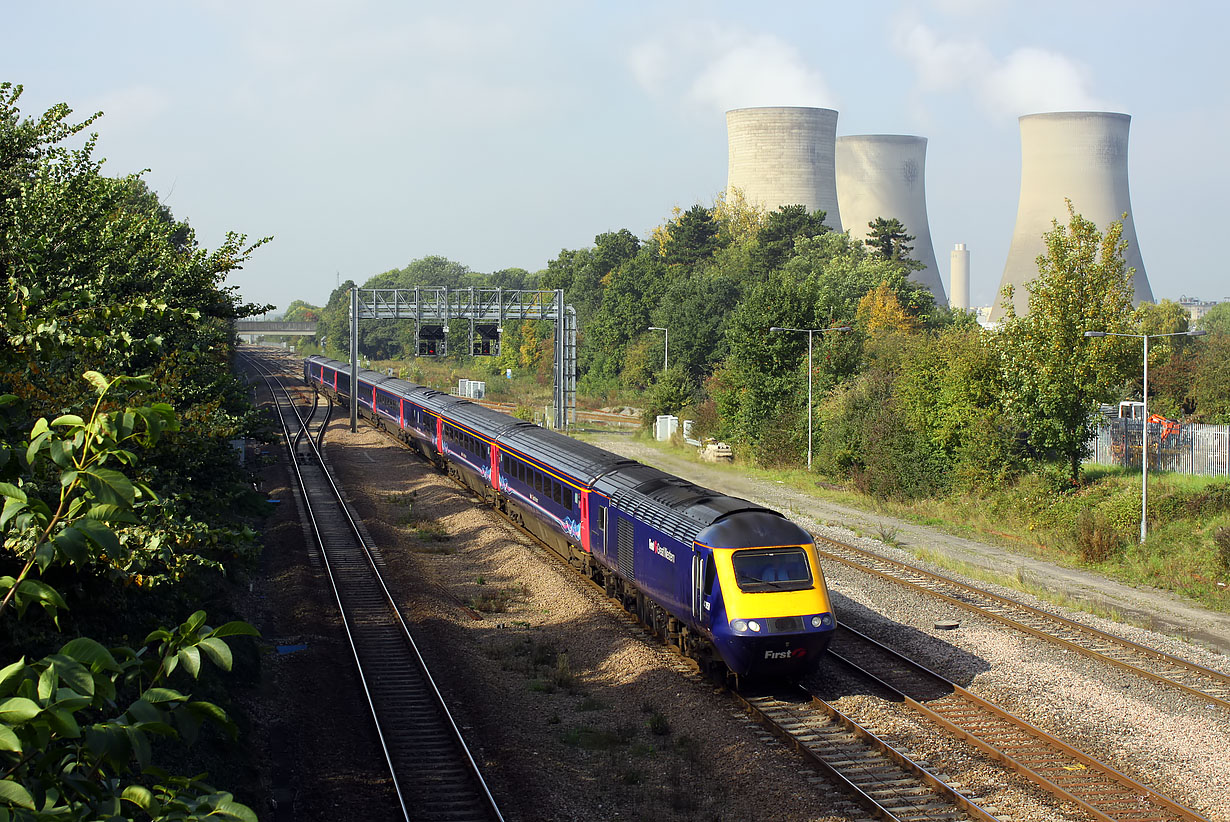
[666,346]
[810,331]
[1144,413]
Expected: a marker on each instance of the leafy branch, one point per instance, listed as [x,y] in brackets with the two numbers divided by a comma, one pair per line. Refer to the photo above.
[90,494]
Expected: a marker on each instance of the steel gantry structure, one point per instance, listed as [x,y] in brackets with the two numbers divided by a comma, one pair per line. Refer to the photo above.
[478,305]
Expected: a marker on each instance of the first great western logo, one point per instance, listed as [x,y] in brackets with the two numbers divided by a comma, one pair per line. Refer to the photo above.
[661,550]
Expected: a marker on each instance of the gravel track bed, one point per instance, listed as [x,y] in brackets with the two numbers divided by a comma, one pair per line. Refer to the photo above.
[571,714]
[1159,736]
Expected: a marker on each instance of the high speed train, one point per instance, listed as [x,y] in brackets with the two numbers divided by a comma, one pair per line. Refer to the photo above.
[722,578]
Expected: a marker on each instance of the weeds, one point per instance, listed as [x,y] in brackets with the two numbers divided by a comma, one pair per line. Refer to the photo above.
[658,725]
[1097,540]
[495,601]
[887,534]
[562,675]
[1221,538]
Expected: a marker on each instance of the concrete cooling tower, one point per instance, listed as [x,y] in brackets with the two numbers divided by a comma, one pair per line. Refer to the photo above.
[1083,156]
[784,156]
[882,175]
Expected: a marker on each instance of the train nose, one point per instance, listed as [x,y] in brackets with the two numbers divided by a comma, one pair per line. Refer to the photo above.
[790,655]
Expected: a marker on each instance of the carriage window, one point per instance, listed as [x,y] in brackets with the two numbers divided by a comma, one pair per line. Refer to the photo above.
[772,569]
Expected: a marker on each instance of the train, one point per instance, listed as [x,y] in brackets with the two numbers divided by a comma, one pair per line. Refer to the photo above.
[729,582]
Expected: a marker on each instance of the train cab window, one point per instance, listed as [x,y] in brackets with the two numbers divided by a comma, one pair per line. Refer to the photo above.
[772,569]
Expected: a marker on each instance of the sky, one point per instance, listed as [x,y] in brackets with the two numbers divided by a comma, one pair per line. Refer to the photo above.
[364,135]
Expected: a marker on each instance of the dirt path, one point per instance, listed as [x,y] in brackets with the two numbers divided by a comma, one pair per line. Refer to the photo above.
[1148,607]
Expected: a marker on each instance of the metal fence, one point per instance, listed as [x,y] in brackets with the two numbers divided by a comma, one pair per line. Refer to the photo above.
[1184,449]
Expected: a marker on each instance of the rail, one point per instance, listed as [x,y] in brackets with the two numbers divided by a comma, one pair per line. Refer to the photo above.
[434,775]
[1188,677]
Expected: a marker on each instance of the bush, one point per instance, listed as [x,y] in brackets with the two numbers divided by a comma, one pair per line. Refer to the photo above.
[1221,537]
[1097,540]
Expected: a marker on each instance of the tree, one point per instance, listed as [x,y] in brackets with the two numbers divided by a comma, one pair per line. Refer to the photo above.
[300,311]
[879,312]
[69,750]
[635,289]
[692,238]
[1055,377]
[739,220]
[696,307]
[887,237]
[1217,320]
[774,243]
[100,277]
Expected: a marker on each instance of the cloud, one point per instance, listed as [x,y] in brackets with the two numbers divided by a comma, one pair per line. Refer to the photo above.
[720,67]
[1028,80]
[1032,80]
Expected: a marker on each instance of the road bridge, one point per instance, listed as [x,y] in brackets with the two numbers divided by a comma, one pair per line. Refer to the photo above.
[255,328]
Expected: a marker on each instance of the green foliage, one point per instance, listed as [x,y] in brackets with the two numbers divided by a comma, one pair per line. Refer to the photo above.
[68,750]
[774,243]
[62,509]
[633,291]
[77,728]
[1055,377]
[692,238]
[1097,539]
[670,393]
[1217,320]
[300,311]
[889,240]
[102,481]
[1221,538]
[821,287]
[696,307]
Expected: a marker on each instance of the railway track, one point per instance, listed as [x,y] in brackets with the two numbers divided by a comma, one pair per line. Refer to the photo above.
[1204,683]
[881,779]
[886,783]
[1103,792]
[434,775]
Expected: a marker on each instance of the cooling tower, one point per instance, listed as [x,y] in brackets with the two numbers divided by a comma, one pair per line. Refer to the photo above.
[958,277]
[1083,156]
[784,156]
[882,175]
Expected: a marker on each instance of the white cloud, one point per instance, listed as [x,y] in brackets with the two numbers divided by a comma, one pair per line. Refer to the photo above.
[1032,80]
[1028,80]
[719,67]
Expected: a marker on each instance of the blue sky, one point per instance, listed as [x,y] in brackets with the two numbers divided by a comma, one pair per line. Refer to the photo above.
[363,135]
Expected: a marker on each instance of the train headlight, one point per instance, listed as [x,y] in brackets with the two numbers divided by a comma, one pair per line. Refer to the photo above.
[739,625]
[754,625]
[816,622]
[822,621]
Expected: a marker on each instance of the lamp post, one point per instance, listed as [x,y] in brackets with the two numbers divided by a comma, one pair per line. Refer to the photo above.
[666,347]
[810,331]
[1144,412]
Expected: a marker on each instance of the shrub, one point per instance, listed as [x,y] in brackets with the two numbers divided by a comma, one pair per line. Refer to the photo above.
[1221,537]
[1097,540]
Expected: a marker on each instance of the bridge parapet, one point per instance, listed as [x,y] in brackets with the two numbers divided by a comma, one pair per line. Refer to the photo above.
[269,327]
